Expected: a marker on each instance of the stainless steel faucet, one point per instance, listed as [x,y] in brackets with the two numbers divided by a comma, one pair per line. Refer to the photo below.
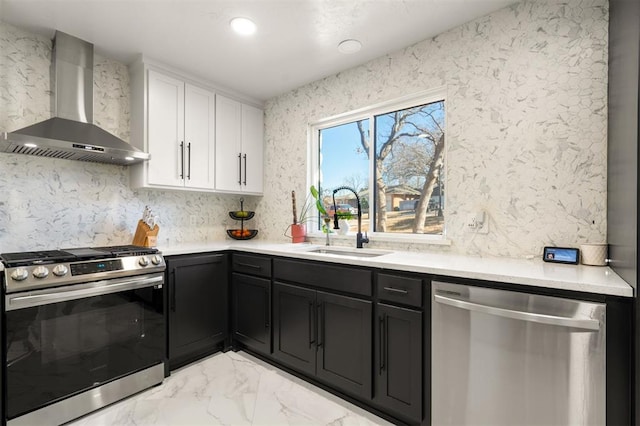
[359,238]
[326,226]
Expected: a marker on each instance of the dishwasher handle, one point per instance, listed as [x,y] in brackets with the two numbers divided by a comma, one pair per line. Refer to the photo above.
[584,324]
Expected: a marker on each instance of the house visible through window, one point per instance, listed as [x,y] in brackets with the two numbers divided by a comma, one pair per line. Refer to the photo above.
[393,157]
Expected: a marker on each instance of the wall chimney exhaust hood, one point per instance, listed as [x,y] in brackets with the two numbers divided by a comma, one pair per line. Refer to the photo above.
[71,134]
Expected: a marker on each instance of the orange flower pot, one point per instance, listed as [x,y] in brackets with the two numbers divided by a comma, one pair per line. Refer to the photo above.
[298,233]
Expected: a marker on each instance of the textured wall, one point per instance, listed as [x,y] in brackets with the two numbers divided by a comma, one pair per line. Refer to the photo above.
[526,138]
[47,203]
[526,125]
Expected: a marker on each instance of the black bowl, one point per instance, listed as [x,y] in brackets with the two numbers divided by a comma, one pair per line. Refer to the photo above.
[252,233]
[241,215]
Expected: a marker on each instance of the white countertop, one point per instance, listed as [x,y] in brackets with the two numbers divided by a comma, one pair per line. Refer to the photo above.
[534,272]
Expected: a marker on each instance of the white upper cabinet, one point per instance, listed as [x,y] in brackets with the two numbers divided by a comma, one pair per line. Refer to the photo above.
[165,130]
[239,155]
[175,122]
[228,144]
[253,149]
[199,137]
[198,140]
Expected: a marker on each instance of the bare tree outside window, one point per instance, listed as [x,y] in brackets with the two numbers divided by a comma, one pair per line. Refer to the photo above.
[408,157]
[409,153]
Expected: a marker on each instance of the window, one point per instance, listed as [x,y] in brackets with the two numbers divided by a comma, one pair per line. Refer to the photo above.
[392,155]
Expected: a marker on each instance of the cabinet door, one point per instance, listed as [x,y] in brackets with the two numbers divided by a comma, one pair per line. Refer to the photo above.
[344,343]
[294,326]
[252,149]
[199,137]
[197,306]
[166,130]
[251,301]
[228,144]
[398,362]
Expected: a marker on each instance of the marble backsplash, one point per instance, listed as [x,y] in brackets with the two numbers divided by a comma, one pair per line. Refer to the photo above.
[526,125]
[526,139]
[49,203]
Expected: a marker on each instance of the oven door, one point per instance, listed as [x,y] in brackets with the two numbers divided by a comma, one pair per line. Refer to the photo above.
[63,341]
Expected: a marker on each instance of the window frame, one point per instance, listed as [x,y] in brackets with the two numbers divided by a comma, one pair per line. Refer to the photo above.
[370,112]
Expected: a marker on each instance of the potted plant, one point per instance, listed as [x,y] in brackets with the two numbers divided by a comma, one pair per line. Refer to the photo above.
[298,227]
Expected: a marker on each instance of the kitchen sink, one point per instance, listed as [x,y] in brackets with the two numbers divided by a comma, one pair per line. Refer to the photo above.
[349,252]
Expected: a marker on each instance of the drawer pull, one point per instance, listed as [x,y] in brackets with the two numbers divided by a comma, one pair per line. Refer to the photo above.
[248,265]
[396,290]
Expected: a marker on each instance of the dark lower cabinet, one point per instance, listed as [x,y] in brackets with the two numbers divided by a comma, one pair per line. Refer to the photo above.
[295,328]
[398,361]
[324,335]
[344,343]
[251,313]
[198,306]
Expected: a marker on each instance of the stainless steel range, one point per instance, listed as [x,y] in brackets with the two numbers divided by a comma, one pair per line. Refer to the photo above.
[84,328]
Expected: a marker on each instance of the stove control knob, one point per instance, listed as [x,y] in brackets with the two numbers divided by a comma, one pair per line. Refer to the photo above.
[41,272]
[156,260]
[19,274]
[60,270]
[143,261]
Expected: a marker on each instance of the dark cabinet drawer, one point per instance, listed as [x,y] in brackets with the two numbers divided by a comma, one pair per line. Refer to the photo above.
[253,265]
[350,280]
[399,289]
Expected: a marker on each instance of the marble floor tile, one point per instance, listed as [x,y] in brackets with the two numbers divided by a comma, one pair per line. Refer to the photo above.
[232,388]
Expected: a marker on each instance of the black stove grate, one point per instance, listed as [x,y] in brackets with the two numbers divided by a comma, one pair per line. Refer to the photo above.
[27,258]
[36,257]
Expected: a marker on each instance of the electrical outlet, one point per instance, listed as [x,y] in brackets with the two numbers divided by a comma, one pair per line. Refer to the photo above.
[193,220]
[478,222]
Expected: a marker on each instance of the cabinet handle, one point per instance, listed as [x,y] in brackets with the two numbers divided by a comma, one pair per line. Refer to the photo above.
[182,160]
[396,290]
[266,311]
[189,162]
[172,290]
[312,324]
[383,344]
[248,265]
[239,168]
[320,324]
[245,170]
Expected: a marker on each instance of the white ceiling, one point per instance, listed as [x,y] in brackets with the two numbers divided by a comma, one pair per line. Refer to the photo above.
[296,42]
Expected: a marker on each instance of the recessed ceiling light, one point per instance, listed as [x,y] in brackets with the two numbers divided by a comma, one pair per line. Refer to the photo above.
[30,145]
[243,26]
[349,46]
[128,158]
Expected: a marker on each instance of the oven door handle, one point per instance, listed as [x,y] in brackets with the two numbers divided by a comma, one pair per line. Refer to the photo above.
[80,291]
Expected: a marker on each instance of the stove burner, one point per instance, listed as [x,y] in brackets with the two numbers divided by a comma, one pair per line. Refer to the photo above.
[87,253]
[36,257]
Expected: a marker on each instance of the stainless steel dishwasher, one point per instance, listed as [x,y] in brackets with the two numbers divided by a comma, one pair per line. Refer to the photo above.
[508,358]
